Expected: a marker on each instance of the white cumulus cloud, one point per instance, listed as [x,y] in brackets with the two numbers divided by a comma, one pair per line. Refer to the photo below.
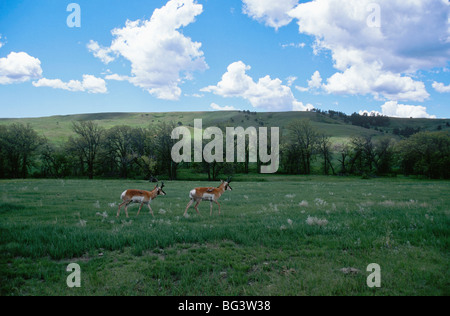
[267,93]
[272,13]
[440,87]
[217,107]
[413,35]
[371,113]
[395,109]
[90,84]
[371,79]
[19,67]
[299,106]
[104,54]
[314,83]
[161,56]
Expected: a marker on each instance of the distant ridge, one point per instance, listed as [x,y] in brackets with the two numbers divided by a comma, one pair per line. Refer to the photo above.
[58,128]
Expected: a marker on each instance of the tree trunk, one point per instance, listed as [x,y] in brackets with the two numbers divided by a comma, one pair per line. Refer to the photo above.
[90,170]
[24,167]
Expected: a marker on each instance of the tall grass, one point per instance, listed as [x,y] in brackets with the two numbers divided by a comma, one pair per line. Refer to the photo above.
[273,238]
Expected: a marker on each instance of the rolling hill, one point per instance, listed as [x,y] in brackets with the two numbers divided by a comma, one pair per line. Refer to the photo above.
[58,129]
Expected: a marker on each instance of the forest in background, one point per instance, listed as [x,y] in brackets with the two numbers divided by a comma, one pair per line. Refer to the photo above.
[319,142]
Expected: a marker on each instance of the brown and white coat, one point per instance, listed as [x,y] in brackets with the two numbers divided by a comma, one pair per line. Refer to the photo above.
[141,197]
[208,194]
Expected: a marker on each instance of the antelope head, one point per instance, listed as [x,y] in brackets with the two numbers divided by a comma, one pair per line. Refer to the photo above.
[159,190]
[227,184]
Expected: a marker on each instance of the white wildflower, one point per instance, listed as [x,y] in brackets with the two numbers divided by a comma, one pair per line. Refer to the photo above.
[304,204]
[104,215]
[350,271]
[387,203]
[320,202]
[316,221]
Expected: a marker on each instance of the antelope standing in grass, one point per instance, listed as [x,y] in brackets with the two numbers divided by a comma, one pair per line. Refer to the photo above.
[139,196]
[208,194]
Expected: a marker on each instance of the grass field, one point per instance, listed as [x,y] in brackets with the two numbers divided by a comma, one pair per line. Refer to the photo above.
[290,236]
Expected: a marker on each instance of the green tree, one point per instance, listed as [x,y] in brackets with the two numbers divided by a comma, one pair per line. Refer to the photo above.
[324,145]
[20,144]
[55,161]
[117,145]
[363,155]
[306,139]
[163,144]
[344,150]
[87,143]
[427,154]
[384,156]
[3,131]
[143,145]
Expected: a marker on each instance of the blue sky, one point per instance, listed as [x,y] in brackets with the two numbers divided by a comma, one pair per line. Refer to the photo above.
[386,56]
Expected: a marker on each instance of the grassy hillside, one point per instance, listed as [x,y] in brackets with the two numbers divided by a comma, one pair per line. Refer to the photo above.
[58,128]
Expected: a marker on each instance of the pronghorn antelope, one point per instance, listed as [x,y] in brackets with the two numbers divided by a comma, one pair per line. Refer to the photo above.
[139,196]
[208,194]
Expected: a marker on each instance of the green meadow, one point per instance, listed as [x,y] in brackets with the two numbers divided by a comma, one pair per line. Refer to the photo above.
[288,236]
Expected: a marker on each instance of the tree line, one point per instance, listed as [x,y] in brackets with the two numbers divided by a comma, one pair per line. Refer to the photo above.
[424,153]
[145,153]
[120,151]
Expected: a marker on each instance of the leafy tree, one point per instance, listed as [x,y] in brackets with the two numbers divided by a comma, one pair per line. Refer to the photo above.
[384,156]
[20,144]
[427,154]
[345,152]
[87,144]
[142,143]
[3,131]
[306,139]
[363,155]
[118,148]
[56,162]
[289,155]
[163,144]
[324,145]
